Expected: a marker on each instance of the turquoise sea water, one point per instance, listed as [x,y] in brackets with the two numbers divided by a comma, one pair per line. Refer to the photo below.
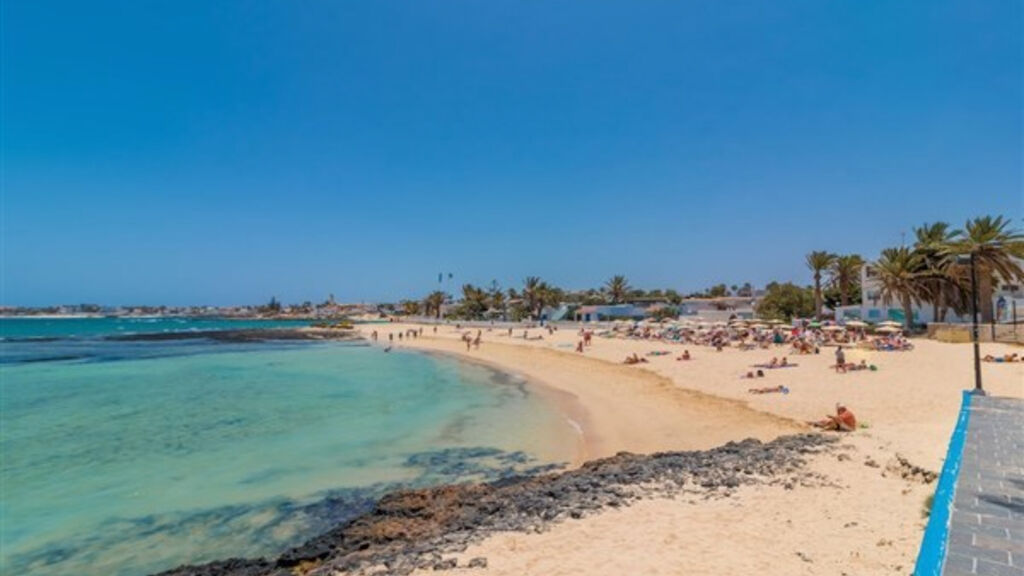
[135,457]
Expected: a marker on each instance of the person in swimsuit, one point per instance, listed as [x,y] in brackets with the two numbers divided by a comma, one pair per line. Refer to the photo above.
[842,421]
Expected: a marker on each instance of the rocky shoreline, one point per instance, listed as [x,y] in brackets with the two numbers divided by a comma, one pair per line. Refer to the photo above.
[414,529]
[243,335]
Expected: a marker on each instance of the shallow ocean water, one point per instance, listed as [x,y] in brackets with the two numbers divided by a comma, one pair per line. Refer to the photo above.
[137,457]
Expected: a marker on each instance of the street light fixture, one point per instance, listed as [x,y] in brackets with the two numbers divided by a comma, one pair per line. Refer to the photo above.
[969,259]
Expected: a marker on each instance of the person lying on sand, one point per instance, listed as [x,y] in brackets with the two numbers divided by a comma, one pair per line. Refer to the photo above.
[634,359]
[854,367]
[842,421]
[1010,358]
[769,390]
[777,366]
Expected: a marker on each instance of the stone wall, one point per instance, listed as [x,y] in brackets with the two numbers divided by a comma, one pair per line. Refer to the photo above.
[961,333]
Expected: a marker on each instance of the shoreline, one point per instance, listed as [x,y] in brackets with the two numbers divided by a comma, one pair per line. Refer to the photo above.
[565,404]
[621,408]
[412,530]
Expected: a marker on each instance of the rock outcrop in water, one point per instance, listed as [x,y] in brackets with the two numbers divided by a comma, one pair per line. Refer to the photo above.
[415,528]
[242,335]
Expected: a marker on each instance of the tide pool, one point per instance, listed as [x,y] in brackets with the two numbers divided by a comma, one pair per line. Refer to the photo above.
[131,464]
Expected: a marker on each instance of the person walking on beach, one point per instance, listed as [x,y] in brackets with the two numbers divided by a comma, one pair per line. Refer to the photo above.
[840,360]
[374,335]
[391,337]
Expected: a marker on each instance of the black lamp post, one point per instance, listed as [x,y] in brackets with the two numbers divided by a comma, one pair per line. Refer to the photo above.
[974,327]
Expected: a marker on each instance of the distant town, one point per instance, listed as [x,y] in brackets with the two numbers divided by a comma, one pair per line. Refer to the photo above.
[272,309]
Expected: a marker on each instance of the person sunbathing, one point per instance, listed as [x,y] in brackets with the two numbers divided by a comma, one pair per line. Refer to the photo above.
[773,363]
[634,359]
[784,363]
[685,355]
[842,421]
[769,390]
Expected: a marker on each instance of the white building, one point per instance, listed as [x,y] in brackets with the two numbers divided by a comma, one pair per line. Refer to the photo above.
[1005,298]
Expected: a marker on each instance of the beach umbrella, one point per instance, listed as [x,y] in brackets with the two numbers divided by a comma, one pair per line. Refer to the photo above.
[891,323]
[759,326]
[832,328]
[814,325]
[856,324]
[889,329]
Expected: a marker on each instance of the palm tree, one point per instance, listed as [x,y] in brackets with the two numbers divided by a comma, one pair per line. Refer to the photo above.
[996,250]
[939,274]
[433,303]
[819,261]
[533,294]
[617,288]
[474,301]
[845,271]
[411,307]
[898,277]
[496,298]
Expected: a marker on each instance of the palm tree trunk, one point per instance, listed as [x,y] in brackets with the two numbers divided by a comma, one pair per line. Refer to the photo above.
[908,312]
[817,296]
[941,301]
[844,287]
[985,295]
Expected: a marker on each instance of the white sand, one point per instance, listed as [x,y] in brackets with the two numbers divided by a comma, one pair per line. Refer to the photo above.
[909,405]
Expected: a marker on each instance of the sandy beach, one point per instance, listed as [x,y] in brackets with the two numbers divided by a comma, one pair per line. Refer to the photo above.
[866,518]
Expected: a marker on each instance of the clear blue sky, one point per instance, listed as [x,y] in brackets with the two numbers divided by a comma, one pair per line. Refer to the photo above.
[188,152]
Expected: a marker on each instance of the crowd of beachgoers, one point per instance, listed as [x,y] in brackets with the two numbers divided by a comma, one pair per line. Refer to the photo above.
[804,338]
